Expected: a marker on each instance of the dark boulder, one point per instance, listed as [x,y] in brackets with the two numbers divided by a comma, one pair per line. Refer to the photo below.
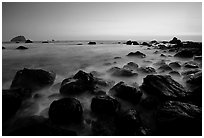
[175,65]
[176,118]
[191,64]
[129,42]
[162,55]
[163,86]
[104,104]
[147,70]
[162,46]
[21,48]
[126,92]
[184,54]
[115,71]
[175,41]
[131,66]
[18,39]
[37,126]
[33,79]
[150,102]
[80,82]
[28,41]
[145,43]
[137,54]
[92,43]
[3,47]
[135,43]
[65,111]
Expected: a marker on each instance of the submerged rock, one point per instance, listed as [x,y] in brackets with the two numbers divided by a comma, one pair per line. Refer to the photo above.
[137,54]
[65,111]
[33,79]
[115,71]
[163,86]
[21,48]
[177,118]
[104,104]
[126,92]
[18,39]
[131,66]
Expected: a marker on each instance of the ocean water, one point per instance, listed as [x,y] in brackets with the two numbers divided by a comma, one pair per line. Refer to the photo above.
[65,59]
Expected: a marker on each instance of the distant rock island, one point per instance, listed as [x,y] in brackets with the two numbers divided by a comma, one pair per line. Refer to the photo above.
[18,39]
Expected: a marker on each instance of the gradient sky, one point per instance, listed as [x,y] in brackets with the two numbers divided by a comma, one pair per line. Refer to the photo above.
[101,21]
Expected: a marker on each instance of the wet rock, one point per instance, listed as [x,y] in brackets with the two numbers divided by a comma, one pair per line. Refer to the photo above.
[18,39]
[150,102]
[195,79]
[175,41]
[184,54]
[174,65]
[129,42]
[126,92]
[163,86]
[156,52]
[164,68]
[135,43]
[154,42]
[131,66]
[137,54]
[28,41]
[81,82]
[33,79]
[162,46]
[147,70]
[3,47]
[177,118]
[37,126]
[189,72]
[11,102]
[21,48]
[191,64]
[197,58]
[65,111]
[115,71]
[160,63]
[162,55]
[92,43]
[174,73]
[104,104]
[146,44]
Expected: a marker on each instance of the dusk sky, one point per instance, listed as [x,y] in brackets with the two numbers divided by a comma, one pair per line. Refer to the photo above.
[102,21]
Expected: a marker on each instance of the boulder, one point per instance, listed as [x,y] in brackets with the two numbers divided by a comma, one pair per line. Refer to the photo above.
[126,92]
[3,47]
[178,118]
[137,54]
[37,126]
[184,54]
[104,104]
[197,58]
[28,41]
[195,79]
[79,83]
[175,41]
[33,79]
[174,73]
[147,70]
[164,68]
[121,72]
[92,43]
[145,43]
[65,111]
[21,48]
[191,64]
[150,102]
[162,55]
[160,63]
[129,42]
[18,39]
[163,86]
[131,66]
[190,72]
[174,65]
[135,43]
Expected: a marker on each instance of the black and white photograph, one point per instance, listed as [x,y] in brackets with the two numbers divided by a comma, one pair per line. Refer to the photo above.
[101,68]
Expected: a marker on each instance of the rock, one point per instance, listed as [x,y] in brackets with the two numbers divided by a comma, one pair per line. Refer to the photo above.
[117,57]
[150,102]
[163,87]
[126,92]
[65,111]
[154,42]
[162,55]
[28,41]
[33,79]
[104,104]
[156,52]
[177,118]
[175,73]
[147,70]
[131,66]
[184,54]
[45,42]
[175,65]
[197,58]
[164,68]
[175,41]
[115,71]
[92,43]
[3,47]
[137,54]
[145,43]
[129,42]
[191,64]
[162,46]
[18,39]
[195,79]
[21,48]
[160,63]
[81,82]
[38,126]
[11,102]
[135,43]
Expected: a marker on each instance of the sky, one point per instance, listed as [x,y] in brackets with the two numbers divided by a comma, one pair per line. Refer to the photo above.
[102,21]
